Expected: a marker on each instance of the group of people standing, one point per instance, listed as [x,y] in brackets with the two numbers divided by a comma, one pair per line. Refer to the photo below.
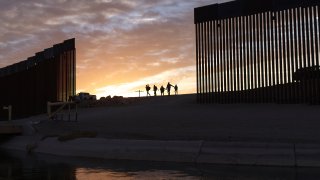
[162,89]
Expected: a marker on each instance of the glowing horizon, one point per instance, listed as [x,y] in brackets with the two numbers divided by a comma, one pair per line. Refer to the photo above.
[121,45]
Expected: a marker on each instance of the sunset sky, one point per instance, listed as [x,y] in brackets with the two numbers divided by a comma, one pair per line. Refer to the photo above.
[122,45]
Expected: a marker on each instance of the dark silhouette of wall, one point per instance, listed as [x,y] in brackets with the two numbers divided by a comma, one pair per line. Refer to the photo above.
[249,51]
[47,76]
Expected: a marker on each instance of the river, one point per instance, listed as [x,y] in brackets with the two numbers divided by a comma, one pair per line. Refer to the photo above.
[18,165]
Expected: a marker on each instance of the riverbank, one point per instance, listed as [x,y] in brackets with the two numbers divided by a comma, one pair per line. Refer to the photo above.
[199,152]
[177,129]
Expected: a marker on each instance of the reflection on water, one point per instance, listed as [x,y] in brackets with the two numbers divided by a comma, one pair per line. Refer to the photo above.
[17,165]
[85,174]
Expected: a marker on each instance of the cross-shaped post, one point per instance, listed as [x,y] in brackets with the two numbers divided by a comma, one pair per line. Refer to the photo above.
[139,92]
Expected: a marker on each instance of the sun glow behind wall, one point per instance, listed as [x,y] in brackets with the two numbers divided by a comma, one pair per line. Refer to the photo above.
[183,77]
[120,43]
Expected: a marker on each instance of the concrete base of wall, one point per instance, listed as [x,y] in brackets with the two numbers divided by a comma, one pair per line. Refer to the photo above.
[231,153]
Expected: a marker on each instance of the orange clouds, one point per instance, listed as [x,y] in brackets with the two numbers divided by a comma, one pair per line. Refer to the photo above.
[121,45]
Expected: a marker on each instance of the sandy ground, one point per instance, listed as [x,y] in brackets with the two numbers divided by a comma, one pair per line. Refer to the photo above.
[181,118]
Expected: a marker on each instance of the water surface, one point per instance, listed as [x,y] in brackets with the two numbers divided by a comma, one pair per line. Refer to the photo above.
[18,165]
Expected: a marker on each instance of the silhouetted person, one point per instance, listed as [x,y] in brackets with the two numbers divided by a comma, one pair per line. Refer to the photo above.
[148,89]
[155,89]
[176,89]
[162,90]
[169,88]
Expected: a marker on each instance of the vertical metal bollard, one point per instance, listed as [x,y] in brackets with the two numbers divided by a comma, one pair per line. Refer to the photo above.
[49,109]
[76,112]
[10,112]
[69,112]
